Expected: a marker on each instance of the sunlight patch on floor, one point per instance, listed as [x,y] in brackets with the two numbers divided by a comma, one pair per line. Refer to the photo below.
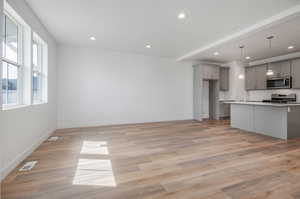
[94,172]
[94,148]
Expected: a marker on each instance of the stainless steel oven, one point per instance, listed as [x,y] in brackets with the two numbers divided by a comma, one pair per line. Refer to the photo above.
[279,82]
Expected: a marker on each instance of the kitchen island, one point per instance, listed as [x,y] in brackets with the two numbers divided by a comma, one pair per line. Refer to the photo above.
[271,119]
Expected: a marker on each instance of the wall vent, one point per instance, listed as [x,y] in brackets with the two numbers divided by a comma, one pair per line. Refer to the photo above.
[28,166]
[53,139]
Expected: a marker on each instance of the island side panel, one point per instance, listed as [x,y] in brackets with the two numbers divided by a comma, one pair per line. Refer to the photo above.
[293,118]
[242,117]
[271,121]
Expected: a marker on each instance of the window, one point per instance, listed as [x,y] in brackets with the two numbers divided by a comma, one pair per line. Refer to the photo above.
[10,83]
[11,62]
[24,63]
[39,70]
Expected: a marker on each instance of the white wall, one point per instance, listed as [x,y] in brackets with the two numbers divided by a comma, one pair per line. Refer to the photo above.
[103,88]
[23,129]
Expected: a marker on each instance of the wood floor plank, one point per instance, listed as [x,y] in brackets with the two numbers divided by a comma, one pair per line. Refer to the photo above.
[164,160]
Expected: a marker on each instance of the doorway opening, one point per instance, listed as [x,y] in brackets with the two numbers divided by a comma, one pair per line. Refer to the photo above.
[210,99]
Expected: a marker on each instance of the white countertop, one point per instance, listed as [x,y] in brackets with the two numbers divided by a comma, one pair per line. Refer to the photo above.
[227,100]
[263,104]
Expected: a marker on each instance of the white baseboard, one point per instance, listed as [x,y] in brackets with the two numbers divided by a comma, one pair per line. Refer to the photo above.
[98,124]
[13,164]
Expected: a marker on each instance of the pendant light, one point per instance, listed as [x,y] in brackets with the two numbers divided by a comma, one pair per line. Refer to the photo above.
[270,72]
[242,51]
[241,76]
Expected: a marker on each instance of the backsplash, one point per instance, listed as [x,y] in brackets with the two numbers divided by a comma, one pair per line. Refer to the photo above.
[266,94]
[224,95]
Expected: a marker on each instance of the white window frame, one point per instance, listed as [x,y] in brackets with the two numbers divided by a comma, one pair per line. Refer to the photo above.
[41,69]
[18,64]
[38,69]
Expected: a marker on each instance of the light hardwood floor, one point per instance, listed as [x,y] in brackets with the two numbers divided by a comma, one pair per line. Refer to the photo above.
[171,160]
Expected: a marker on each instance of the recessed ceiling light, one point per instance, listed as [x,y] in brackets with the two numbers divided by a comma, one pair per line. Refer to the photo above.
[148,46]
[291,47]
[248,57]
[181,15]
[216,53]
[93,38]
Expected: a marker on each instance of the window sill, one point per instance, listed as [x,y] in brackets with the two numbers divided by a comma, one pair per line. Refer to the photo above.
[12,107]
[19,106]
[39,103]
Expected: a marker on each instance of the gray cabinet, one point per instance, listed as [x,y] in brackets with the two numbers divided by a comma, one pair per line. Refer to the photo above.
[286,68]
[275,68]
[261,79]
[210,72]
[224,79]
[250,78]
[255,77]
[280,69]
[296,73]
[224,110]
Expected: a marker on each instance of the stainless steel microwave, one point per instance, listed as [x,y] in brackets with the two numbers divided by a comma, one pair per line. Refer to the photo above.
[279,82]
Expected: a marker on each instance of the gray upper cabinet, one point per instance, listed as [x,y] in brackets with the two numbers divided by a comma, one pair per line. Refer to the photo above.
[286,68]
[280,69]
[261,79]
[224,79]
[275,67]
[210,72]
[296,73]
[215,72]
[250,78]
[255,77]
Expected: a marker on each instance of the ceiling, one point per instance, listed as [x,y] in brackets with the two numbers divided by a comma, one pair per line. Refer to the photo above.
[256,45]
[128,25]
